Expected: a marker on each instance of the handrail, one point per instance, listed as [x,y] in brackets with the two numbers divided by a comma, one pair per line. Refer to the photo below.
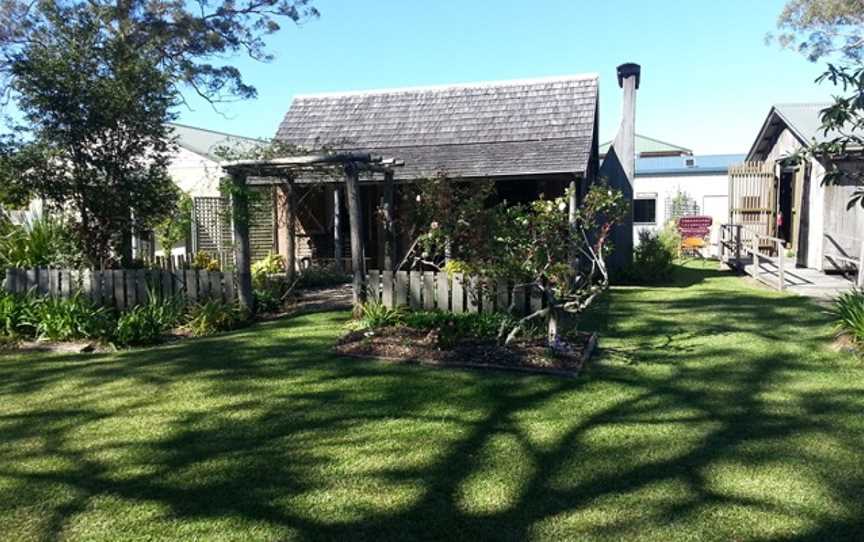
[753,250]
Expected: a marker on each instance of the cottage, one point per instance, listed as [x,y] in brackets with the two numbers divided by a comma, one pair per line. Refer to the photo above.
[530,137]
[774,196]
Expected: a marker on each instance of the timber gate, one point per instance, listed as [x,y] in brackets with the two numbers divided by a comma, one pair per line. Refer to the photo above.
[752,198]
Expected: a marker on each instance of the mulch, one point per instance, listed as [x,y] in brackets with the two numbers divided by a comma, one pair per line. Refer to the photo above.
[406,345]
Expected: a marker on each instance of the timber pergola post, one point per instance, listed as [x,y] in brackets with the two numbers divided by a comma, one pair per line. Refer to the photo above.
[285,172]
[288,200]
[387,199]
[242,252]
[355,219]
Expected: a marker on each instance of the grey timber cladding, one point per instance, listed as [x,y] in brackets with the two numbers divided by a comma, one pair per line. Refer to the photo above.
[473,130]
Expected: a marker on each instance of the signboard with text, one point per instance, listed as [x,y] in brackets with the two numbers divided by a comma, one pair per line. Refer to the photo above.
[694,226]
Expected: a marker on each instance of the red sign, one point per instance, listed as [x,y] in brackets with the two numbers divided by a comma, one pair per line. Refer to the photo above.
[694,226]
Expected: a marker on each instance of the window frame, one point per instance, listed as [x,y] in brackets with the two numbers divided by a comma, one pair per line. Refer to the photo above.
[645,197]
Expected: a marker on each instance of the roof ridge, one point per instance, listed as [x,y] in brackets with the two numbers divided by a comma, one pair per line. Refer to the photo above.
[655,140]
[796,104]
[467,143]
[217,132]
[448,86]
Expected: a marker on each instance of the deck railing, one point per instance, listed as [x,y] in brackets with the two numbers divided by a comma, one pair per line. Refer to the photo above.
[737,242]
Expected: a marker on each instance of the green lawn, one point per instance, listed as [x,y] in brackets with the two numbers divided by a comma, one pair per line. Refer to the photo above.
[716,411]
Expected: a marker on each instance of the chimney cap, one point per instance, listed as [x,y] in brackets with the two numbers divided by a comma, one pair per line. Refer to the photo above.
[629,70]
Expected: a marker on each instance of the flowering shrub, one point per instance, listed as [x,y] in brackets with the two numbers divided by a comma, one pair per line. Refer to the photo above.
[543,245]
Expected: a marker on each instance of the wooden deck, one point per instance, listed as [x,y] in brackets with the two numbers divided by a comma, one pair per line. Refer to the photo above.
[799,280]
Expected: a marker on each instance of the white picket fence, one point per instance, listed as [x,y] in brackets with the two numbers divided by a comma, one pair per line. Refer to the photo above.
[457,293]
[122,288]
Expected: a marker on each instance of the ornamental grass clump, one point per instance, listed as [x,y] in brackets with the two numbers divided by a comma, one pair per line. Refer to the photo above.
[848,314]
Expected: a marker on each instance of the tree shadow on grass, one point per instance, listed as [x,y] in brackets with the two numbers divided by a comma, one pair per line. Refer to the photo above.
[734,423]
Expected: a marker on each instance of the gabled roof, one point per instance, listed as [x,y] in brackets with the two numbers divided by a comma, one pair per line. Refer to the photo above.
[648,146]
[208,142]
[705,164]
[468,130]
[802,119]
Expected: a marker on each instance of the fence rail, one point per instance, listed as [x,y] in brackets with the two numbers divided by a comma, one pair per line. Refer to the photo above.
[122,288]
[456,293]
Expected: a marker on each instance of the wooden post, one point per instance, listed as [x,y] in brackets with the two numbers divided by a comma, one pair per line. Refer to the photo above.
[755,257]
[389,223]
[355,220]
[287,223]
[781,261]
[337,225]
[861,267]
[242,252]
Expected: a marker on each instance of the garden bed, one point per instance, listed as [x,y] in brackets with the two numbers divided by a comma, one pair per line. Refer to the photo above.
[404,344]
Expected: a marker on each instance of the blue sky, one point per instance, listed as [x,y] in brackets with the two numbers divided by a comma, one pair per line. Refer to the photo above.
[708,77]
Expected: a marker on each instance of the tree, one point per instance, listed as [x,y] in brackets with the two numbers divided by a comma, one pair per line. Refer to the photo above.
[186,40]
[823,28]
[98,144]
[833,30]
[531,245]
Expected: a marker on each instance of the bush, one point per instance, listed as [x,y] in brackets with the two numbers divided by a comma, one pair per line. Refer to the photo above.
[14,315]
[455,327]
[653,259]
[267,300]
[374,315]
[322,277]
[44,242]
[67,319]
[145,324]
[212,317]
[205,262]
[848,313]
[269,265]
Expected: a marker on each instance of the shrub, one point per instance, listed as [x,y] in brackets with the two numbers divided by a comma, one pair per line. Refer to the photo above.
[67,319]
[267,300]
[14,315]
[145,324]
[212,317]
[269,265]
[42,242]
[848,313]
[374,315]
[322,277]
[205,262]
[455,327]
[653,259]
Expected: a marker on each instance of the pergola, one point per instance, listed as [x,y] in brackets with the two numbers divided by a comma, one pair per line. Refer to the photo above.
[284,173]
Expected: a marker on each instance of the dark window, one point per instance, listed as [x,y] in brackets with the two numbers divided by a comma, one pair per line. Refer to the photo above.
[645,211]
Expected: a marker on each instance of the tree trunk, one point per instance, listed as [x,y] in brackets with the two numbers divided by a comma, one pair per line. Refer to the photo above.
[557,326]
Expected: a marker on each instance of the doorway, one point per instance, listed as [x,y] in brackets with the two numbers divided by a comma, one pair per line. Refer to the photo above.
[785,199]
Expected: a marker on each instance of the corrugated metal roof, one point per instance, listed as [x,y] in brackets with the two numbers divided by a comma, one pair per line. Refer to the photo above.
[207,142]
[469,130]
[645,144]
[687,165]
[804,120]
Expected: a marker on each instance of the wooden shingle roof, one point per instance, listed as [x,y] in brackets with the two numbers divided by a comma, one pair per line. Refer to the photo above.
[472,130]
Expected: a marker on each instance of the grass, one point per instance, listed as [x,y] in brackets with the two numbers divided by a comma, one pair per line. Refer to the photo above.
[715,412]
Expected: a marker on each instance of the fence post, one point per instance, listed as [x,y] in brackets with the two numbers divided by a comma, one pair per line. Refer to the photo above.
[738,242]
[781,260]
[755,250]
[860,281]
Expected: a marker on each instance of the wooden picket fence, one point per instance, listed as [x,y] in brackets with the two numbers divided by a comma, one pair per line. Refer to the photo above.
[457,293]
[122,288]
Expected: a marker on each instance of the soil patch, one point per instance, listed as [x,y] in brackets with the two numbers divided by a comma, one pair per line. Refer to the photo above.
[402,344]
